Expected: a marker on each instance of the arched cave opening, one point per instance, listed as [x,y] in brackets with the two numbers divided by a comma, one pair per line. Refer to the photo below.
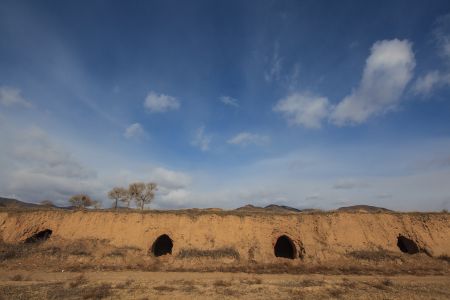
[284,247]
[407,245]
[39,237]
[162,245]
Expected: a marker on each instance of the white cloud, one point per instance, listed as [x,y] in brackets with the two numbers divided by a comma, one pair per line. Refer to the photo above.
[35,167]
[229,101]
[432,80]
[170,179]
[11,96]
[160,102]
[201,139]
[134,131]
[424,85]
[388,70]
[275,66]
[441,34]
[247,138]
[303,109]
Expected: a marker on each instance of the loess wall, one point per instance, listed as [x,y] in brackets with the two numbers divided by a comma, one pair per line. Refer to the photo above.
[317,236]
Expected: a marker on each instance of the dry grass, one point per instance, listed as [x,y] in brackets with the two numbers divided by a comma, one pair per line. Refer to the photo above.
[17,277]
[444,258]
[377,255]
[97,292]
[221,283]
[251,281]
[126,284]
[164,288]
[217,253]
[78,281]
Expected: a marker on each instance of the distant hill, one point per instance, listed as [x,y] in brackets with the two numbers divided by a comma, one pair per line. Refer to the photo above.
[268,208]
[14,203]
[274,207]
[363,208]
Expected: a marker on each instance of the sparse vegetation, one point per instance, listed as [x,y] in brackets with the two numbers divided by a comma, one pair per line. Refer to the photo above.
[377,255]
[142,193]
[164,288]
[222,283]
[77,281]
[444,258]
[119,194]
[81,201]
[217,253]
[17,277]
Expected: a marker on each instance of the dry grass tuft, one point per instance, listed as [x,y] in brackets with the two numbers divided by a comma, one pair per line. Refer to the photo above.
[221,283]
[17,277]
[444,258]
[164,288]
[97,292]
[78,281]
[217,253]
[126,284]
[251,281]
[377,255]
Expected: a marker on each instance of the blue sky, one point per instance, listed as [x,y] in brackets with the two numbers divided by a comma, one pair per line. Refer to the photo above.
[224,103]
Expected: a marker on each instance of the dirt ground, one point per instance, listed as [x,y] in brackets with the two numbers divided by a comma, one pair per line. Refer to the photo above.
[181,285]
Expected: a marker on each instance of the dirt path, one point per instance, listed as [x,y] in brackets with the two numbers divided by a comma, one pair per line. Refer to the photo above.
[181,285]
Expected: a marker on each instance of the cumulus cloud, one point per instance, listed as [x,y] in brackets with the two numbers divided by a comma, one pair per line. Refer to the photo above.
[134,131]
[247,138]
[160,102]
[11,96]
[170,179]
[229,101]
[201,140]
[304,109]
[388,70]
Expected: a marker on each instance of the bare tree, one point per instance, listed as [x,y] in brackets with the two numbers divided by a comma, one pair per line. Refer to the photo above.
[142,193]
[119,194]
[81,200]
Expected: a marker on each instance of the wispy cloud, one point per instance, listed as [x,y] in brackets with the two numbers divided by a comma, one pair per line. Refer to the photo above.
[11,96]
[348,184]
[201,140]
[247,138]
[135,131]
[227,100]
[160,102]
[426,84]
[304,109]
[275,65]
[388,70]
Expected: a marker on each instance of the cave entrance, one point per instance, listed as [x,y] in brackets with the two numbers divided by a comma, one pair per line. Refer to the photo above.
[407,245]
[39,237]
[162,245]
[284,247]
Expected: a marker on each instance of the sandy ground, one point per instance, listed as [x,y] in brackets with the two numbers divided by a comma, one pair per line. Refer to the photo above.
[188,285]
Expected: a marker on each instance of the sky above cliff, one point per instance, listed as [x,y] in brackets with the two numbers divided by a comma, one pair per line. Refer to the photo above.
[312,104]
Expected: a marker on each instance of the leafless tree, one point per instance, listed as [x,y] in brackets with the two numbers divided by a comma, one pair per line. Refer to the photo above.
[119,194]
[81,200]
[142,193]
